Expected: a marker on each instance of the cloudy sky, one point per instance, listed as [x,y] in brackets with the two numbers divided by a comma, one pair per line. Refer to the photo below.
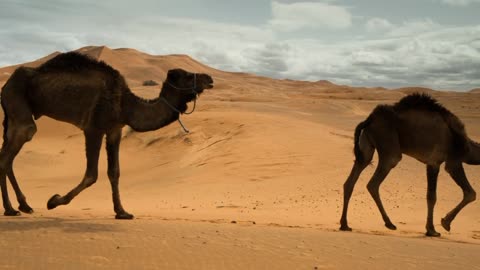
[392,43]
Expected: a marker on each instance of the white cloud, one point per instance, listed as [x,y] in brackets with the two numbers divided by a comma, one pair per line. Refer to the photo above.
[212,42]
[310,15]
[269,59]
[413,27]
[443,58]
[434,56]
[378,25]
[370,57]
[462,3]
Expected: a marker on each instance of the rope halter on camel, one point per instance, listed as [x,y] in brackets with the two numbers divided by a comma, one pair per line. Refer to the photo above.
[194,100]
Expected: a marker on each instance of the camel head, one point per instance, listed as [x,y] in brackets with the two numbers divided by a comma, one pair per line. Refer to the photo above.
[182,86]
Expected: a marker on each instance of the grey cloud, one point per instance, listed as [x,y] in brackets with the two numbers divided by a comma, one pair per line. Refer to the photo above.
[444,59]
[210,55]
[268,60]
[461,3]
[419,51]
[300,1]
[293,16]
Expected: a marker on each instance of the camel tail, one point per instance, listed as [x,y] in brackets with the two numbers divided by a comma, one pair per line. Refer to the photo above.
[358,131]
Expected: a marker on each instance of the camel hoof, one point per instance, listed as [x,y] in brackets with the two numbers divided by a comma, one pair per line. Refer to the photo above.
[53,202]
[345,228]
[11,213]
[432,234]
[391,226]
[25,208]
[445,224]
[123,215]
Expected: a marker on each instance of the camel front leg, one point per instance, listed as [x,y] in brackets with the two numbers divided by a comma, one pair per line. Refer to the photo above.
[432,176]
[456,171]
[93,141]
[113,146]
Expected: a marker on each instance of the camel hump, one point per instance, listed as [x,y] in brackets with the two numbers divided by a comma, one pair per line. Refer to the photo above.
[74,62]
[422,101]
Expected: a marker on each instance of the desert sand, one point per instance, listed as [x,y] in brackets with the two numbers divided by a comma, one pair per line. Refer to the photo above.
[257,184]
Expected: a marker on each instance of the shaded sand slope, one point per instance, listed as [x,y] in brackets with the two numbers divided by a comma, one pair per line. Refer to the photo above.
[257,184]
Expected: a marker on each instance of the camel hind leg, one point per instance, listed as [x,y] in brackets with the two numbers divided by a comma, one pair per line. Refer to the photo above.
[18,128]
[389,154]
[16,136]
[22,200]
[385,164]
[359,165]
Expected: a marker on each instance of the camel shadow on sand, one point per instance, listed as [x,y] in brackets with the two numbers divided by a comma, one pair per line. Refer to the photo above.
[66,225]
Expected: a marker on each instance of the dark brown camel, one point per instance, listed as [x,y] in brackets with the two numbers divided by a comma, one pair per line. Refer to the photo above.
[94,97]
[420,127]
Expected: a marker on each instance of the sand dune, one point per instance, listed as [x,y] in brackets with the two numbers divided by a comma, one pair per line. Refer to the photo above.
[257,184]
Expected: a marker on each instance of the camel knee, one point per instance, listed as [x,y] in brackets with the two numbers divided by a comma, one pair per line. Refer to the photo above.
[389,161]
[30,131]
[3,165]
[373,187]
[395,160]
[24,132]
[90,180]
[451,168]
[4,161]
[470,196]
[362,163]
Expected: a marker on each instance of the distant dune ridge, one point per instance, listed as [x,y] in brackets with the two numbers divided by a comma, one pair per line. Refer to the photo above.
[137,67]
[134,65]
[257,184]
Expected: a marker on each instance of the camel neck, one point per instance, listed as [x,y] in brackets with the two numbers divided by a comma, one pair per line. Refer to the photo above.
[473,157]
[147,115]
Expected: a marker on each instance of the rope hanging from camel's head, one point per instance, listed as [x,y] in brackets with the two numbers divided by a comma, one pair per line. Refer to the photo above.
[180,113]
[194,100]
